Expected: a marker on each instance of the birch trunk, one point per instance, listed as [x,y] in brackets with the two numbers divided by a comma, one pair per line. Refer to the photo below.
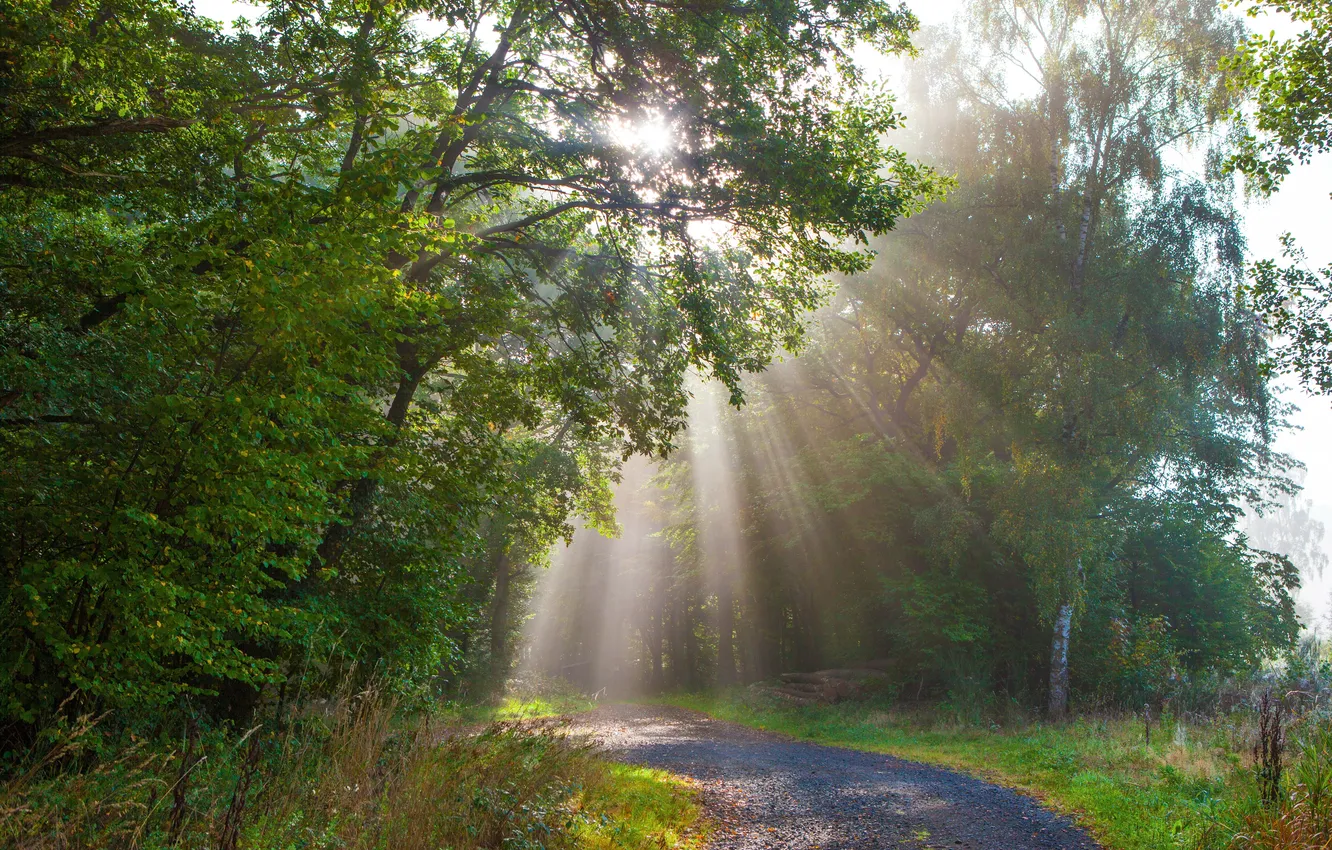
[1063,629]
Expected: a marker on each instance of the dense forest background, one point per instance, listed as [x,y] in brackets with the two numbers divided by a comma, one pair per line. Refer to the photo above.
[1016,455]
[323,333]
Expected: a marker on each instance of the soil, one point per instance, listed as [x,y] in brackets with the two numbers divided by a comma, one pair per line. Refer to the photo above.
[763,790]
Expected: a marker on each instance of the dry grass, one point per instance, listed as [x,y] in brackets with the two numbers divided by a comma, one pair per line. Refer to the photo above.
[352,775]
[1301,819]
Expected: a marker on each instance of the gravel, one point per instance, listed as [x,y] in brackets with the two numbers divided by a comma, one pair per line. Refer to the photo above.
[767,791]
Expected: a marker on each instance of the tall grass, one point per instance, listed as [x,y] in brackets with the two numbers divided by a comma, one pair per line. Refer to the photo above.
[353,774]
[1299,814]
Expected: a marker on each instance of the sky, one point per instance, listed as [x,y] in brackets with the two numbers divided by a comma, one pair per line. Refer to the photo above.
[1302,208]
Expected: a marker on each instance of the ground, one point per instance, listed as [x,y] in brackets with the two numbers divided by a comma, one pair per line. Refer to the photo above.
[767,791]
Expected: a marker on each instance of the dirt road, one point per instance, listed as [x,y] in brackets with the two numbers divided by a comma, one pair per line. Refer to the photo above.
[768,791]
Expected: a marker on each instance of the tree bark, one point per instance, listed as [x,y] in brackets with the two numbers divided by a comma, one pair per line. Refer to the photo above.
[1063,629]
[499,620]
[674,639]
[725,635]
[653,640]
[690,666]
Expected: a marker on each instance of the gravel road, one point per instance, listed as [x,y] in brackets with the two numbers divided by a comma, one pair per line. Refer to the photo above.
[768,791]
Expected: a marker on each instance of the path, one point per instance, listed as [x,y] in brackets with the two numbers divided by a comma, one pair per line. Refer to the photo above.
[768,791]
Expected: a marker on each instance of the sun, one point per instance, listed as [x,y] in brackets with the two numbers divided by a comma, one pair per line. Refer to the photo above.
[651,135]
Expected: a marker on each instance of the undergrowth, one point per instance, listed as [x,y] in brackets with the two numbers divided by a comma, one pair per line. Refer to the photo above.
[354,774]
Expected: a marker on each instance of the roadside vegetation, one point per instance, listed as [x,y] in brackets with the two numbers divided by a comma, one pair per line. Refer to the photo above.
[319,330]
[355,773]
[1196,785]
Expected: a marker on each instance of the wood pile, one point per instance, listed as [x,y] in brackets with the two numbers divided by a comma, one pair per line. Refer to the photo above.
[825,687]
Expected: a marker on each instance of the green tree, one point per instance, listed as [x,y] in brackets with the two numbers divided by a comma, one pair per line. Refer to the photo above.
[1061,338]
[272,301]
[1290,82]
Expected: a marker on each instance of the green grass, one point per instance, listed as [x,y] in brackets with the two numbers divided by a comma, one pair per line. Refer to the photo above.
[519,707]
[638,807]
[1131,796]
[529,697]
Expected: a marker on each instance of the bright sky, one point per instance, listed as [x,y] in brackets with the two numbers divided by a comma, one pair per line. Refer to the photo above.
[1302,208]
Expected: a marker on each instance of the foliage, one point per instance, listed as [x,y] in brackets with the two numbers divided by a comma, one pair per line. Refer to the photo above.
[1037,421]
[1295,299]
[1291,83]
[304,321]
[1290,80]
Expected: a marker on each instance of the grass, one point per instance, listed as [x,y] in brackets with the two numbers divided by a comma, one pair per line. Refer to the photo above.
[356,774]
[516,707]
[641,807]
[1175,793]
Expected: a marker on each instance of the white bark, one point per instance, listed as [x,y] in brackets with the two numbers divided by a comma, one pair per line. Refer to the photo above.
[1063,629]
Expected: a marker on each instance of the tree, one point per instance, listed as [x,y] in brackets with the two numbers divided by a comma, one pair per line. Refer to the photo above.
[1085,344]
[1016,451]
[1290,81]
[272,301]
[1291,84]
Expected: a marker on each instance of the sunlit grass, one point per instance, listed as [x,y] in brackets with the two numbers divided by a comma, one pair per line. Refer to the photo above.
[356,775]
[641,807]
[519,708]
[522,706]
[1099,770]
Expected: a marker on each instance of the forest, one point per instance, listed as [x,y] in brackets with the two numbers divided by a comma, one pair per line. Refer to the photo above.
[375,372]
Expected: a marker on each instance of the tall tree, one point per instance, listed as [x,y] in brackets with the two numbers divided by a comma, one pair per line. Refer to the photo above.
[1062,335]
[273,299]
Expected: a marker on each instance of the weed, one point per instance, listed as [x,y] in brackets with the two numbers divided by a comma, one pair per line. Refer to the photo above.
[355,773]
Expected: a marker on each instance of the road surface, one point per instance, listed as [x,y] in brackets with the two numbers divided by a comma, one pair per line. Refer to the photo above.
[767,791]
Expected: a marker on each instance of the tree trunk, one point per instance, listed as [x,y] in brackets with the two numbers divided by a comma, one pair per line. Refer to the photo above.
[725,635]
[690,657]
[1063,629]
[1084,240]
[499,621]
[365,489]
[653,638]
[674,641]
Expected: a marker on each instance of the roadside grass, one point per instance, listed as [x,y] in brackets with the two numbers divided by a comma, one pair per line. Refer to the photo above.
[1182,791]
[526,697]
[356,774]
[638,807]
[518,707]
